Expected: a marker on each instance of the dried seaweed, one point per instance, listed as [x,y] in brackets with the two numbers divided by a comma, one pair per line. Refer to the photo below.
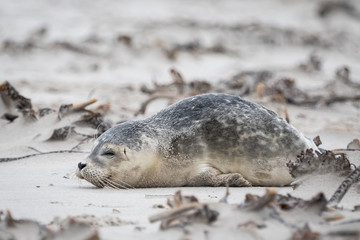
[11,228]
[34,40]
[317,141]
[244,82]
[343,75]
[145,104]
[354,145]
[163,91]
[89,220]
[177,83]
[313,64]
[60,134]
[10,117]
[285,90]
[193,47]
[199,86]
[293,215]
[76,48]
[14,47]
[305,233]
[335,166]
[45,111]
[262,83]
[94,120]
[260,33]
[175,90]
[11,96]
[179,200]
[126,39]
[309,162]
[255,203]
[328,7]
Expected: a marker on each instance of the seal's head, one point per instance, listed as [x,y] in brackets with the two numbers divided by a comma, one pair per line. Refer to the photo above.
[114,160]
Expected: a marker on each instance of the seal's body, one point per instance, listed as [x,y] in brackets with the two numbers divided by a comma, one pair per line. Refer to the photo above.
[206,140]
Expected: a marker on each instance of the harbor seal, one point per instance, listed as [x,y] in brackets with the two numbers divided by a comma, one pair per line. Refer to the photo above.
[205,140]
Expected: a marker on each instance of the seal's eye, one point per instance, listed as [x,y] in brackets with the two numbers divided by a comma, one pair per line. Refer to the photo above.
[108,153]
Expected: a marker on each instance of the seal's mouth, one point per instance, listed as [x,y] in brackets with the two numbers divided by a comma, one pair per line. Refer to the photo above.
[94,176]
[91,174]
[98,177]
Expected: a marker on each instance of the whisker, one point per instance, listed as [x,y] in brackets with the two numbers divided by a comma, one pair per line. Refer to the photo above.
[117,184]
[126,185]
[102,183]
[112,185]
[72,175]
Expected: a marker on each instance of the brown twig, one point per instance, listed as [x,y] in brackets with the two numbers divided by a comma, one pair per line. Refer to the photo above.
[144,105]
[287,117]
[82,106]
[70,108]
[81,142]
[9,159]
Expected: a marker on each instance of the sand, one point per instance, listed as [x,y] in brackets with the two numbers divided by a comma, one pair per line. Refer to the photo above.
[100,64]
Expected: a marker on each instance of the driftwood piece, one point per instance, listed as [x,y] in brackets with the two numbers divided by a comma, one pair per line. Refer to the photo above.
[344,187]
[70,108]
[185,210]
[317,141]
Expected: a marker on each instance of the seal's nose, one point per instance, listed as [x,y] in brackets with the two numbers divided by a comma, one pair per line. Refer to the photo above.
[81,165]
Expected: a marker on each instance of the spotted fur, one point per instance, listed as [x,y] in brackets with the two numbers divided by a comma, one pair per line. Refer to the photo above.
[209,139]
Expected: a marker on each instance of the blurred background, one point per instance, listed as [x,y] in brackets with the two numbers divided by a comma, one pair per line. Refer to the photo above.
[300,58]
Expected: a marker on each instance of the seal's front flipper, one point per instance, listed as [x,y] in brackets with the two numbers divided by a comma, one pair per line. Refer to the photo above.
[233,180]
[213,177]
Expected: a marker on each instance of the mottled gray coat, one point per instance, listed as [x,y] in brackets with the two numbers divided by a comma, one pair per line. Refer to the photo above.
[209,139]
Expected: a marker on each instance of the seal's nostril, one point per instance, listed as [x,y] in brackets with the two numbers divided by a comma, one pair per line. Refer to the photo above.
[81,165]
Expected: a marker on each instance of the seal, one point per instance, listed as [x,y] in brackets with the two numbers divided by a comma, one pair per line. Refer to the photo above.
[205,140]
